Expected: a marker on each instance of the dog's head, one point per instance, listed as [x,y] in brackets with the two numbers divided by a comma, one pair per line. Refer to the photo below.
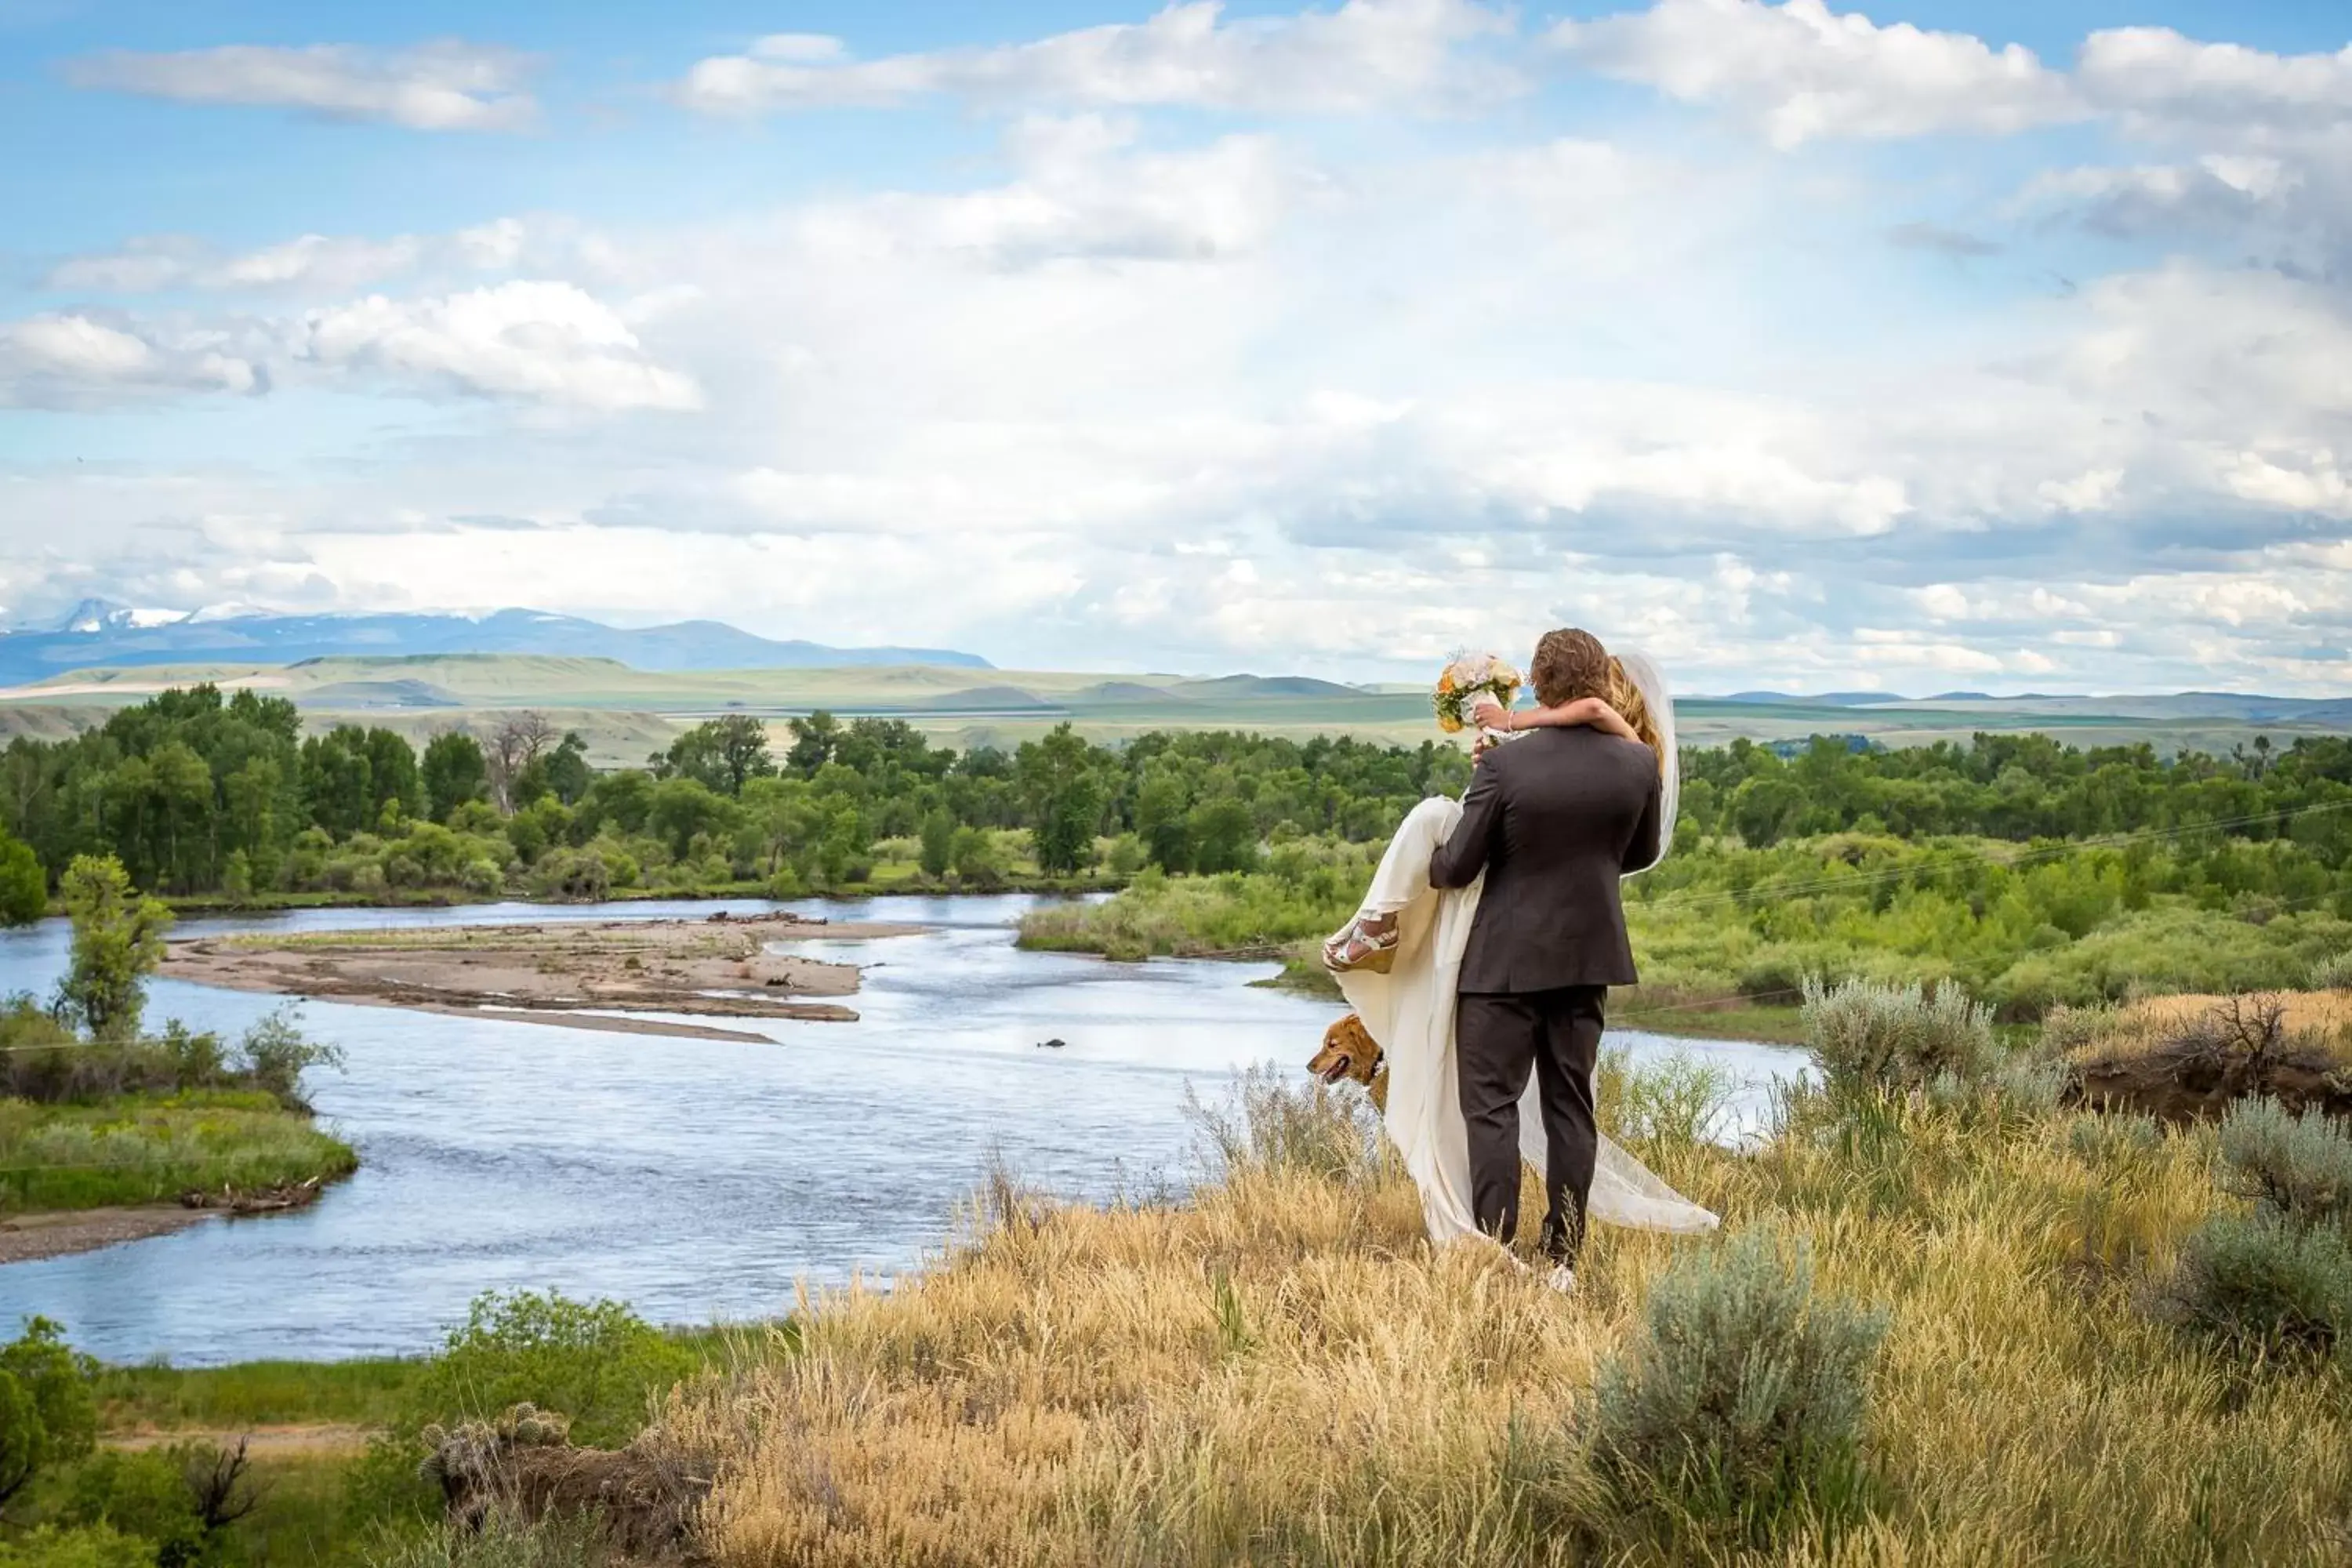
[1348,1051]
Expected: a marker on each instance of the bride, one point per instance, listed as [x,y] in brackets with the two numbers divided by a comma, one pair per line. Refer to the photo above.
[1398,959]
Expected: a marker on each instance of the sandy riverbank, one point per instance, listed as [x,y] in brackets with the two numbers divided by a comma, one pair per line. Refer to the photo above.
[28,1236]
[573,973]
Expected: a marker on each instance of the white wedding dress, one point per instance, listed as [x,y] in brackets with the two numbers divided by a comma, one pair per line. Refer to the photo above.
[1409,1011]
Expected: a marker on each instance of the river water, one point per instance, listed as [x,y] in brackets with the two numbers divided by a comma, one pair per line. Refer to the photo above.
[698,1180]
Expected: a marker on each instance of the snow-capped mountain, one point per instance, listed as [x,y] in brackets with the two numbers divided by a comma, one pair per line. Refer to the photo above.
[92,616]
[101,632]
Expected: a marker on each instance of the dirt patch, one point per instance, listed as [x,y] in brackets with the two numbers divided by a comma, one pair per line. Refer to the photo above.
[2181,1082]
[556,972]
[2180,1061]
[261,1442]
[26,1238]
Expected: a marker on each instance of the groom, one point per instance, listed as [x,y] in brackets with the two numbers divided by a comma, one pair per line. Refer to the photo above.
[1554,819]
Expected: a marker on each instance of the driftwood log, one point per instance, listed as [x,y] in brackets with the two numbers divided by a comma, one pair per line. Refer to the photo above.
[260,1200]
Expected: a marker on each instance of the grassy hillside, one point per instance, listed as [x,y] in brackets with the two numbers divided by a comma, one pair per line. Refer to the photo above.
[625,713]
[1277,1372]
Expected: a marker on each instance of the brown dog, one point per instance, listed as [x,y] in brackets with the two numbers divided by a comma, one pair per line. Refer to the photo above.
[1350,1052]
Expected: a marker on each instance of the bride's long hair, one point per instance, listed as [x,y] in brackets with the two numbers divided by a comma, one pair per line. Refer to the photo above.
[1638,689]
[1627,697]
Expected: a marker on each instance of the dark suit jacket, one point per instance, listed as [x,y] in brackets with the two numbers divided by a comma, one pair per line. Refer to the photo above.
[1553,819]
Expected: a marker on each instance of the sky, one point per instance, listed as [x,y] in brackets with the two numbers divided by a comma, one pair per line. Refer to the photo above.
[1993,346]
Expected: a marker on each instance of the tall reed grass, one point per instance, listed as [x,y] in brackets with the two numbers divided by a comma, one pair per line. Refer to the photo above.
[1278,1370]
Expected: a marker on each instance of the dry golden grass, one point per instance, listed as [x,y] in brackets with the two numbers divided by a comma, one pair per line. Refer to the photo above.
[2327,1012]
[2311,1021]
[1280,1372]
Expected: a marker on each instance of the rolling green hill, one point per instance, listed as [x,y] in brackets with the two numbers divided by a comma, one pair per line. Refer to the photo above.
[625,713]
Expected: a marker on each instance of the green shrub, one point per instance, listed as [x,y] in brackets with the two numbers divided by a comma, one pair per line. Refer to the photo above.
[574,874]
[198,1061]
[2333,974]
[143,1494]
[596,1362]
[2262,1283]
[24,886]
[1870,1034]
[1740,1408]
[1673,1102]
[88,1546]
[47,1413]
[2298,1168]
[277,1054]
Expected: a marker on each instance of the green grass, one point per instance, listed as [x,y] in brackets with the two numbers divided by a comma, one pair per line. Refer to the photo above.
[371,1392]
[149,1148]
[365,1392]
[1773,1023]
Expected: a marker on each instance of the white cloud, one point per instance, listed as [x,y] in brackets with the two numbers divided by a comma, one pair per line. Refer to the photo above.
[1364,54]
[313,261]
[1077,195]
[309,263]
[546,341]
[2218,190]
[72,361]
[2095,490]
[2162,81]
[447,86]
[1226,403]
[2255,148]
[1800,71]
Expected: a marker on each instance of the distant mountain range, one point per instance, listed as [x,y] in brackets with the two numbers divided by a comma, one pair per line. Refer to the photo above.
[2250,707]
[1824,699]
[101,632]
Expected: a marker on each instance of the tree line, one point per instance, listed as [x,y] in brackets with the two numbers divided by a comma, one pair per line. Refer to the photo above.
[198,793]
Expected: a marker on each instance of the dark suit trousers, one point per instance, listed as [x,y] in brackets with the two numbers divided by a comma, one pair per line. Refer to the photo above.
[1498,1040]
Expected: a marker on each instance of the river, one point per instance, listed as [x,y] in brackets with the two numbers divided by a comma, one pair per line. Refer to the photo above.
[696,1179]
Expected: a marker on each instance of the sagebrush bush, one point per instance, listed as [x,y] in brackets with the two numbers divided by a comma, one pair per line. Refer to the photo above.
[2261,1282]
[2333,974]
[1741,1406]
[2298,1168]
[1871,1035]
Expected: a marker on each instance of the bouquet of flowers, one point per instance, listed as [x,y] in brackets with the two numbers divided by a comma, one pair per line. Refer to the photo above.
[1466,677]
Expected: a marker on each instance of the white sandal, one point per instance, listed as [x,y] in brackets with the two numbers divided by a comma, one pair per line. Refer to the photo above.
[1353,947]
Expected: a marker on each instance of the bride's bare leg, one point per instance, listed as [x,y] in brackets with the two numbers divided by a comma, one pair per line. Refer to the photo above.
[1370,938]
